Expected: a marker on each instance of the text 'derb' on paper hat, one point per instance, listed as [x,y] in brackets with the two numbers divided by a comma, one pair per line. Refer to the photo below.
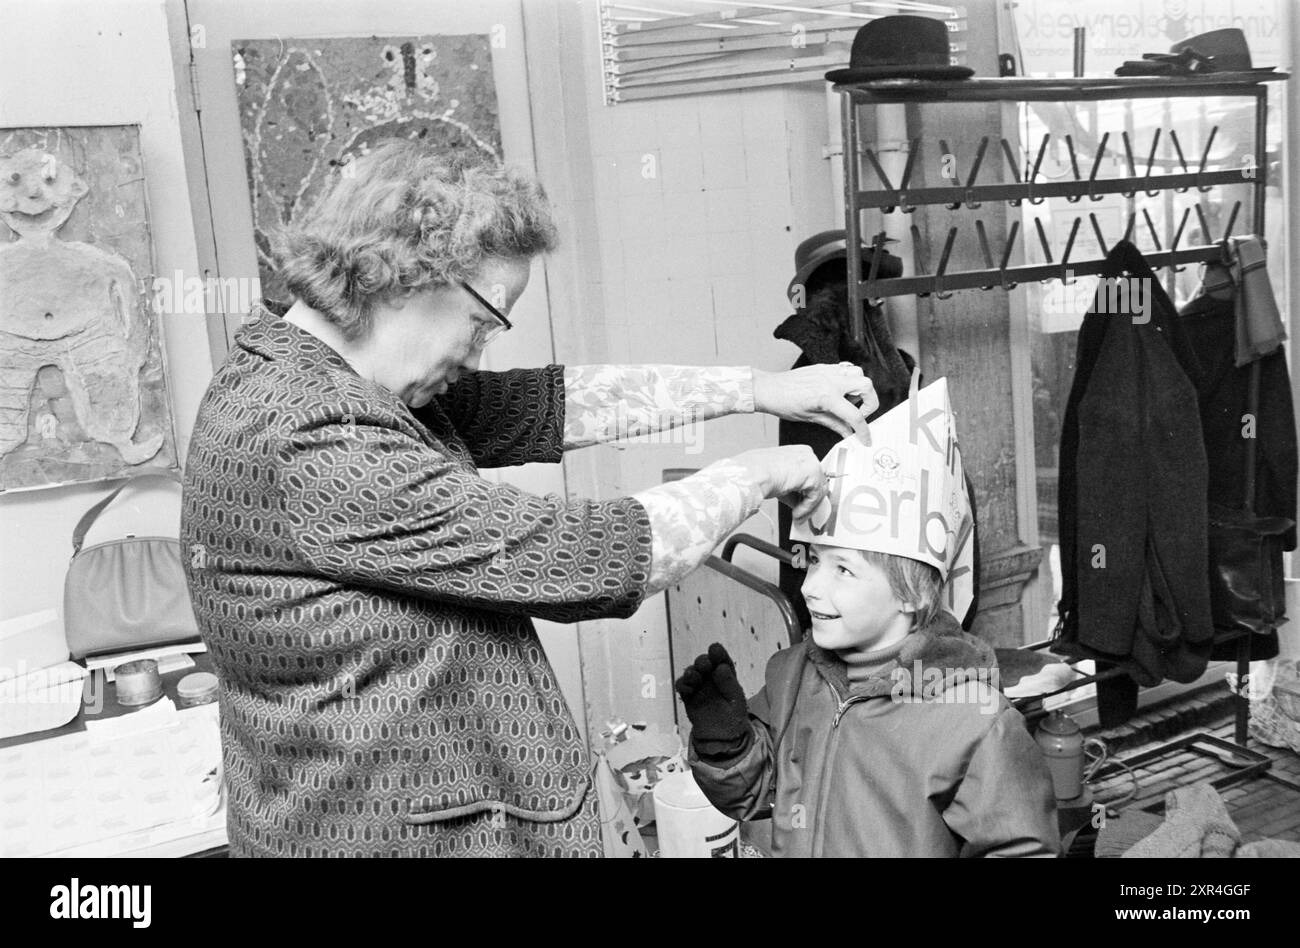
[901,47]
[904,495]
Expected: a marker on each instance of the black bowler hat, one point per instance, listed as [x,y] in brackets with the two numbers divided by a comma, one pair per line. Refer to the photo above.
[830,245]
[901,47]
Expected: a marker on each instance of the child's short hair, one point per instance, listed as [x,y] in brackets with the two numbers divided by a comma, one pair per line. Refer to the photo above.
[912,582]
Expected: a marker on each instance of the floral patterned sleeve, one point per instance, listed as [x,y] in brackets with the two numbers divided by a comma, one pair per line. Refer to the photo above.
[690,517]
[608,402]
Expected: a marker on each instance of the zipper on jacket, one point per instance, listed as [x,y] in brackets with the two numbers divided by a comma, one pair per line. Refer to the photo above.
[827,767]
[842,705]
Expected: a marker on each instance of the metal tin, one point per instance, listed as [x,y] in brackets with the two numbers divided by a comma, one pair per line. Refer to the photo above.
[138,682]
[198,688]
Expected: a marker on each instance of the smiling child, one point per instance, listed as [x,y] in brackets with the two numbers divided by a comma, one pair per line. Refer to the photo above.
[881,733]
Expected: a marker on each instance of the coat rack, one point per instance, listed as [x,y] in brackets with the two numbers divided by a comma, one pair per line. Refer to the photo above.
[1025,186]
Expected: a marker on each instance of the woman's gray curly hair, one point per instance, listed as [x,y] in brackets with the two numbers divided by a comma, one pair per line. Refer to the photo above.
[404,218]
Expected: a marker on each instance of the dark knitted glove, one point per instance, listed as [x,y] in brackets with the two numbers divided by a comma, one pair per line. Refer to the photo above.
[716,705]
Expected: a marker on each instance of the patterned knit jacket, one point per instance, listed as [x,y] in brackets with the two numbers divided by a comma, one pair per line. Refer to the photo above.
[365,596]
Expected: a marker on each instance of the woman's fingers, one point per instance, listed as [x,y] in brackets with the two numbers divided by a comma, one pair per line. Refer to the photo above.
[806,487]
[802,394]
[790,473]
[848,381]
[852,420]
[838,425]
[803,504]
[866,390]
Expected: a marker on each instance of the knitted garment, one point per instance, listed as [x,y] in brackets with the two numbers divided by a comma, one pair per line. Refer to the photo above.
[1196,826]
[1121,833]
[1269,849]
[860,666]
[365,597]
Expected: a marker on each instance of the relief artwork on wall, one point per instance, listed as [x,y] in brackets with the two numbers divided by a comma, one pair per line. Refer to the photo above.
[307,107]
[83,387]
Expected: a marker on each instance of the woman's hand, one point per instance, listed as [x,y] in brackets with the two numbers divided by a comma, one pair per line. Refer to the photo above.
[818,393]
[791,473]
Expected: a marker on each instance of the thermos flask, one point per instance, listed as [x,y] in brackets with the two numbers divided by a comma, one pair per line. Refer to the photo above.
[1062,743]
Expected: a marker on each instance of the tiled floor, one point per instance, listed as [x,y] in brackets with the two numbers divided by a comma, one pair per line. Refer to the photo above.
[1261,808]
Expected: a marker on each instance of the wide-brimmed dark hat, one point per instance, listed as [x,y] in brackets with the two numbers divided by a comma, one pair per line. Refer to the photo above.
[829,245]
[901,47]
[1227,50]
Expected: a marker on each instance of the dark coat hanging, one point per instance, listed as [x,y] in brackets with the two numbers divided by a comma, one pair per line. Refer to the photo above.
[1133,482]
[1209,324]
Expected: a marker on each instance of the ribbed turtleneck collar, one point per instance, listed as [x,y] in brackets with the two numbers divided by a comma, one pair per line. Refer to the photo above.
[861,665]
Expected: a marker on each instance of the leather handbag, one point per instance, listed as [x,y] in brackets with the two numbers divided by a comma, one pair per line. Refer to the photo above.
[1247,592]
[125,594]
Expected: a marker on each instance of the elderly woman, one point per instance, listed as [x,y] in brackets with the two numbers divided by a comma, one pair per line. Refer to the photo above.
[365,595]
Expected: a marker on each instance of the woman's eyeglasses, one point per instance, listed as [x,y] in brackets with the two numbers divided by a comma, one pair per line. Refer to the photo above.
[485,335]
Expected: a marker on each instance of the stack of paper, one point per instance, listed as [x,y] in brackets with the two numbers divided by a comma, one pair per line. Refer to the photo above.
[152,768]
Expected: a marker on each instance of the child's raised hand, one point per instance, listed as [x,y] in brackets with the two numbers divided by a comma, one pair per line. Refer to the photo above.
[715,703]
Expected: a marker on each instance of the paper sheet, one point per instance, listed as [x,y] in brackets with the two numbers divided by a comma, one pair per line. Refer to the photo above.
[71,791]
[41,700]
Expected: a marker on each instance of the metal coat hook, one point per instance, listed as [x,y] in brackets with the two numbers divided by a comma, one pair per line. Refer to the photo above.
[1132,168]
[1178,235]
[1074,166]
[1128,230]
[1015,169]
[1205,156]
[974,173]
[884,179]
[1205,225]
[1225,251]
[1173,137]
[1033,176]
[913,150]
[877,250]
[1067,280]
[1006,256]
[1232,219]
[1151,227]
[919,263]
[1096,229]
[1151,160]
[1096,164]
[937,283]
[984,249]
[1065,257]
[1047,247]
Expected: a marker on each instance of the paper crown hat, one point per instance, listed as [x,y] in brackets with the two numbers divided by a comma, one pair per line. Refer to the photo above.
[905,494]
